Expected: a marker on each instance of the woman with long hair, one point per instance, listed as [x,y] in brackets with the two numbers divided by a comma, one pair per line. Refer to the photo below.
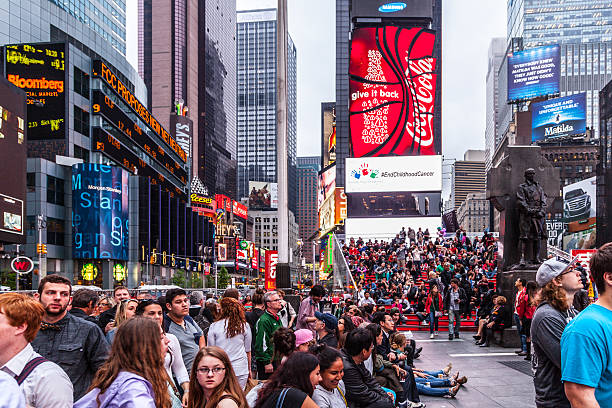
[345,326]
[232,334]
[213,381]
[292,385]
[496,321]
[433,308]
[330,392]
[134,374]
[126,309]
[173,360]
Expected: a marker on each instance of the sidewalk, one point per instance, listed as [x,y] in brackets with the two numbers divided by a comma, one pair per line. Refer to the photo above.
[491,384]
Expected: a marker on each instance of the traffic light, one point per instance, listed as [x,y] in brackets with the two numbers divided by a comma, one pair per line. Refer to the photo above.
[44,248]
[39,248]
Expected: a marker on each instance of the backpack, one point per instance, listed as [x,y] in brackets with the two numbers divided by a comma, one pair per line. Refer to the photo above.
[29,367]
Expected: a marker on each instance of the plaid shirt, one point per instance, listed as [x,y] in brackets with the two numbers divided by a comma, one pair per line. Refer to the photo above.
[79,348]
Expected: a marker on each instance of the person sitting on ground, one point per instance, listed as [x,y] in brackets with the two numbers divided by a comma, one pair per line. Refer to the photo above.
[326,327]
[292,384]
[213,382]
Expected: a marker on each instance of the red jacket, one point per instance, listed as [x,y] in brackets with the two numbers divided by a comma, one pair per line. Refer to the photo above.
[524,309]
[429,300]
[519,304]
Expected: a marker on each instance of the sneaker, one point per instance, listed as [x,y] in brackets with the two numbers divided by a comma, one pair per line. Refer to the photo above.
[431,336]
[415,405]
[519,351]
[436,333]
[418,350]
[456,335]
[450,336]
[522,353]
[424,323]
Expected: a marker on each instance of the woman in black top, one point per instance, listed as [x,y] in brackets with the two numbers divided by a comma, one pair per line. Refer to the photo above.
[292,385]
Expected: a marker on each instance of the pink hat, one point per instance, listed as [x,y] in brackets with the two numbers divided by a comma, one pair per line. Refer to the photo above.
[303,336]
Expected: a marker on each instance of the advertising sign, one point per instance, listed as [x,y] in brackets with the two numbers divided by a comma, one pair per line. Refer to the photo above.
[327,185]
[13,167]
[413,9]
[262,195]
[584,257]
[579,240]
[579,200]
[22,264]
[255,259]
[395,204]
[387,228]
[100,212]
[239,210]
[340,205]
[555,229]
[392,92]
[534,72]
[558,118]
[271,262]
[221,252]
[39,70]
[202,204]
[327,214]
[328,134]
[384,174]
[182,127]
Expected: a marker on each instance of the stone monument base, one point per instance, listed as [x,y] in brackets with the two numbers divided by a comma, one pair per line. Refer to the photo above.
[508,278]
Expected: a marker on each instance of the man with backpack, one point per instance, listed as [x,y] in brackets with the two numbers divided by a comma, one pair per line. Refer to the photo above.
[43,383]
[178,322]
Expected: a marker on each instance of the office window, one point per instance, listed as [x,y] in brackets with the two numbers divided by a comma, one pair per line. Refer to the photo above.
[55,231]
[55,190]
[81,83]
[81,121]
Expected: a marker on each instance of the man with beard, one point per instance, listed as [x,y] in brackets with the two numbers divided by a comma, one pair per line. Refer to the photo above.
[76,345]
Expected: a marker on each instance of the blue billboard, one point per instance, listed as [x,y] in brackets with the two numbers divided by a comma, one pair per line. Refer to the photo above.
[533,73]
[558,118]
[100,211]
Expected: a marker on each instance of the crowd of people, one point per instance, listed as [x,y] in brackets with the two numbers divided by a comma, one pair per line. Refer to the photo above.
[62,349]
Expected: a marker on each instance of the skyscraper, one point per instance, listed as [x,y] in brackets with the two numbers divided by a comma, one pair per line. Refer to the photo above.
[307,212]
[187,50]
[583,28]
[497,50]
[256,100]
[468,177]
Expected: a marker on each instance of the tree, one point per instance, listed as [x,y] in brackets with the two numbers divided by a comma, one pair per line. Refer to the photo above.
[179,278]
[196,281]
[223,279]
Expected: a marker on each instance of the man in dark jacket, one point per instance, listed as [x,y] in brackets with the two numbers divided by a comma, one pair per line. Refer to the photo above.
[455,302]
[361,389]
[83,304]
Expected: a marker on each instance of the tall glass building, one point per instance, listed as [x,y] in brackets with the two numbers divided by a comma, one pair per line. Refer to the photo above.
[584,30]
[256,100]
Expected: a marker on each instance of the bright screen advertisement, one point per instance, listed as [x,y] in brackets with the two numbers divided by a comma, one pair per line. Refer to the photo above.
[392,92]
[404,204]
[13,166]
[579,200]
[534,72]
[39,69]
[326,185]
[100,212]
[558,118]
[386,174]
[262,195]
[328,125]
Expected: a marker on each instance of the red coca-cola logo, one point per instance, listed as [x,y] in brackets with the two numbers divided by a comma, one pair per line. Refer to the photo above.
[392,90]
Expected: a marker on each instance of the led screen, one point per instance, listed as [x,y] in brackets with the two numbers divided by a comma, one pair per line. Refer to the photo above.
[39,70]
[326,185]
[387,228]
[328,125]
[100,212]
[402,204]
[534,72]
[558,118]
[382,174]
[262,195]
[579,200]
[392,92]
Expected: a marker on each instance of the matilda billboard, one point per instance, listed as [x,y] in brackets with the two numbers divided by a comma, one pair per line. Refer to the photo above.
[558,118]
[392,92]
[382,174]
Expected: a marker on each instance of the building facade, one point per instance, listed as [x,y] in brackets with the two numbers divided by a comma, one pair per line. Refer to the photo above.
[468,176]
[473,213]
[256,100]
[187,51]
[307,212]
[265,225]
[497,50]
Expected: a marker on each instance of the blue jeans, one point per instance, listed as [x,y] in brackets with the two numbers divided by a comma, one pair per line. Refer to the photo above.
[433,322]
[434,373]
[517,322]
[433,389]
[454,318]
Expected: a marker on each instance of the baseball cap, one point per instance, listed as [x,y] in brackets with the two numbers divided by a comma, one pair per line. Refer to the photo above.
[303,336]
[549,270]
[329,319]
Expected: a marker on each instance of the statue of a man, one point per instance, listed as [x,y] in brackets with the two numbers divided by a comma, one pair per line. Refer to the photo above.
[531,201]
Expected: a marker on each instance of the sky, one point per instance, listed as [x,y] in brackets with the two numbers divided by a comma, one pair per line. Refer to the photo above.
[467,28]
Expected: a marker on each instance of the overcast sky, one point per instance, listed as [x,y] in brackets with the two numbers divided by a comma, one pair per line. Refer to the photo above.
[467,28]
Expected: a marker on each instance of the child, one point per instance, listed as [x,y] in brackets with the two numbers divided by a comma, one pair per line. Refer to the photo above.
[398,343]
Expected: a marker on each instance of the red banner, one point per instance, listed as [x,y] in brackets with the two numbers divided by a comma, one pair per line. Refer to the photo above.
[271,262]
[392,90]
[255,259]
[239,210]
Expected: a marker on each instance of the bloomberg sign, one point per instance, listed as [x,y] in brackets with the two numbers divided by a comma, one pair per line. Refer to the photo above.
[386,174]
[100,211]
[392,92]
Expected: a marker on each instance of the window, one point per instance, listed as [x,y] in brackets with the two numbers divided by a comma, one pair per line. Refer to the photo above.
[81,153]
[81,83]
[31,182]
[55,190]
[81,121]
[55,231]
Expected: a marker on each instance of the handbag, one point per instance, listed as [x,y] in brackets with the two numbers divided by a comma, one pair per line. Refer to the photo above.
[438,314]
[281,398]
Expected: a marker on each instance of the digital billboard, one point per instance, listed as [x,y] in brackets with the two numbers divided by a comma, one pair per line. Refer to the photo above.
[579,200]
[13,166]
[385,174]
[39,69]
[393,204]
[392,83]
[534,72]
[387,228]
[326,184]
[340,204]
[100,212]
[262,195]
[558,118]
[328,134]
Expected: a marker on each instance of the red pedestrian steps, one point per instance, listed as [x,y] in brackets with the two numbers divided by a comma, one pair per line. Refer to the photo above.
[413,324]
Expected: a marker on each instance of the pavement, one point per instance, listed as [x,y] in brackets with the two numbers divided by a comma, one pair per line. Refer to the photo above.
[492,383]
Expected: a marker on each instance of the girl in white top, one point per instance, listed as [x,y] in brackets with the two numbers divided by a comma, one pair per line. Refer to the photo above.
[173,362]
[330,392]
[232,334]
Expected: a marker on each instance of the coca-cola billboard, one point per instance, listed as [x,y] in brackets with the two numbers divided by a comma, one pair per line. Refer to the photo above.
[392,92]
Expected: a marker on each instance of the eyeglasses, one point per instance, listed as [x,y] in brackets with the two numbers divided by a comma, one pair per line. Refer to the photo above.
[206,370]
